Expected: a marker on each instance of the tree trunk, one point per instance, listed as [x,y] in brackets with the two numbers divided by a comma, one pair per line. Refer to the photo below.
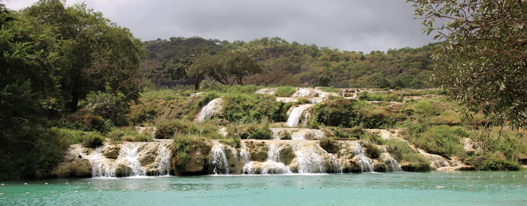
[197,82]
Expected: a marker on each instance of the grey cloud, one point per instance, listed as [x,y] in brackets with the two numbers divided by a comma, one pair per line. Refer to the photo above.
[353,25]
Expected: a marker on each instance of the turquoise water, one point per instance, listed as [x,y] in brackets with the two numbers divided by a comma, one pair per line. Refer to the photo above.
[280,190]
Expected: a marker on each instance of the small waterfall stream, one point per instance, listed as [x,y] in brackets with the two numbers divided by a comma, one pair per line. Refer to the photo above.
[393,162]
[128,155]
[308,159]
[100,166]
[163,160]
[207,111]
[273,165]
[365,163]
[218,160]
[294,117]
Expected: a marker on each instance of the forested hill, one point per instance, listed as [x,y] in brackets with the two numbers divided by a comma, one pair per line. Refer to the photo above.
[302,65]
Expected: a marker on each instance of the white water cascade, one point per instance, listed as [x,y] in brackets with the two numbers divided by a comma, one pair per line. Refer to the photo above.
[393,162]
[308,159]
[365,163]
[208,110]
[128,156]
[273,164]
[218,160]
[100,166]
[294,117]
[163,160]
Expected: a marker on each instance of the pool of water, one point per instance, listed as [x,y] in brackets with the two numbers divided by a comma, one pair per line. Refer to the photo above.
[400,188]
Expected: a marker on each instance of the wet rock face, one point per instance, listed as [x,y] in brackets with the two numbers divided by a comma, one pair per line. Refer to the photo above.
[258,152]
[286,154]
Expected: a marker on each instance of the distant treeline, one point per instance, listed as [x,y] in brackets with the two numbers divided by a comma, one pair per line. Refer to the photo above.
[297,64]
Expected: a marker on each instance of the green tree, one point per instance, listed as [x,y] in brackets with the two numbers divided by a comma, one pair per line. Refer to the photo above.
[28,71]
[323,81]
[86,37]
[482,59]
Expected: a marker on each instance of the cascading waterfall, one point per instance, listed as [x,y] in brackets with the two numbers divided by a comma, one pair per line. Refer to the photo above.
[218,160]
[163,160]
[365,163]
[100,165]
[294,118]
[275,135]
[244,154]
[393,162]
[128,155]
[308,159]
[273,165]
[207,111]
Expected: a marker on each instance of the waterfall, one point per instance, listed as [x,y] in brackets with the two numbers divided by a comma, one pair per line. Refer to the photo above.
[295,115]
[286,99]
[218,160]
[436,161]
[303,133]
[275,135]
[365,163]
[128,155]
[100,166]
[308,159]
[163,160]
[209,110]
[393,162]
[244,154]
[273,165]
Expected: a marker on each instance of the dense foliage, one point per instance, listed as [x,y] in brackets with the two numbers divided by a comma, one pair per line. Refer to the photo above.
[61,66]
[297,64]
[482,57]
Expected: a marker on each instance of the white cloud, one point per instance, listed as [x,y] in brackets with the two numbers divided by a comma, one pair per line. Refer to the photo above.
[353,25]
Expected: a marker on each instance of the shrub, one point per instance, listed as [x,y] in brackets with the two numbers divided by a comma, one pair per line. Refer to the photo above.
[328,144]
[373,150]
[92,140]
[167,129]
[249,108]
[182,145]
[286,91]
[254,130]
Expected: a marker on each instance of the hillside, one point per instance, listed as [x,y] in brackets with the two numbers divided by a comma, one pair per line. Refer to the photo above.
[297,64]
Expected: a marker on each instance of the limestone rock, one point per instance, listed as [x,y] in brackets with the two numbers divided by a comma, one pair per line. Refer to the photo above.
[286,154]
[111,152]
[81,168]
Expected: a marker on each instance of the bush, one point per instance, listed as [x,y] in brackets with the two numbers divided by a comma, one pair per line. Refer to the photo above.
[127,134]
[373,150]
[182,145]
[328,144]
[484,163]
[92,140]
[167,129]
[286,91]
[250,108]
[254,130]
[442,140]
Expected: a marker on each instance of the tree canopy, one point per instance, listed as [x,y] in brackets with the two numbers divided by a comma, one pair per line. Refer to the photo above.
[295,64]
[483,55]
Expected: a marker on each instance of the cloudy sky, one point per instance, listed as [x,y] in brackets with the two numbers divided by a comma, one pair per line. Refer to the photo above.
[352,25]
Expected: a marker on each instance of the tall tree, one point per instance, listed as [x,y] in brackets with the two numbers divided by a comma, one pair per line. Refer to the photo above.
[482,59]
[86,35]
